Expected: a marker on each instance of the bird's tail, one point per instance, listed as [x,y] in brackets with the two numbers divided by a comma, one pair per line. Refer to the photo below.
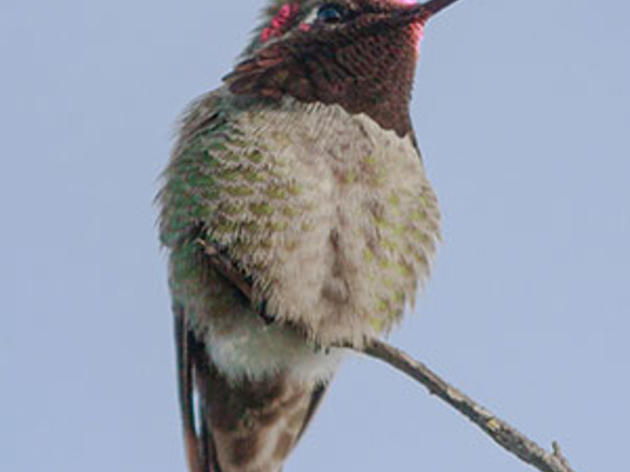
[251,426]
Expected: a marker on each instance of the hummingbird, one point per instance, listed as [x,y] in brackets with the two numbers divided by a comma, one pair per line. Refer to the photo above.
[303,172]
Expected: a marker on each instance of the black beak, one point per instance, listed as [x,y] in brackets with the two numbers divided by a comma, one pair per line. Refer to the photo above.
[434,6]
[423,11]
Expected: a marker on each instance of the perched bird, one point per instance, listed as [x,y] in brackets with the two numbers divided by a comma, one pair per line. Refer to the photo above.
[298,218]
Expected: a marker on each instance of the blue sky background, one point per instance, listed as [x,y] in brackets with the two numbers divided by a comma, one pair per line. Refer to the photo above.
[523,113]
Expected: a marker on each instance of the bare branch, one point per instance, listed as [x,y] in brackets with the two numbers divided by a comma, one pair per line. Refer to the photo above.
[501,432]
[505,435]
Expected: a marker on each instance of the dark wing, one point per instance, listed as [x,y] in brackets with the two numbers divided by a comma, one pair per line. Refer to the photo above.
[190,361]
[185,374]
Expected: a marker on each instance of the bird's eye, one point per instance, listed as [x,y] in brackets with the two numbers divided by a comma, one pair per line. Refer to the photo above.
[330,13]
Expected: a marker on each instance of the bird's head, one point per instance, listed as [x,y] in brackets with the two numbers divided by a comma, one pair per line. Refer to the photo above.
[360,54]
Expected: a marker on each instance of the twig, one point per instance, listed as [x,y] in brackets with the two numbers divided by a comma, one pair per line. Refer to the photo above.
[501,432]
[505,435]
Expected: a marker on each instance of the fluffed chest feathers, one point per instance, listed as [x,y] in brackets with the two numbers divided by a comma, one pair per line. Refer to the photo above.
[332,215]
